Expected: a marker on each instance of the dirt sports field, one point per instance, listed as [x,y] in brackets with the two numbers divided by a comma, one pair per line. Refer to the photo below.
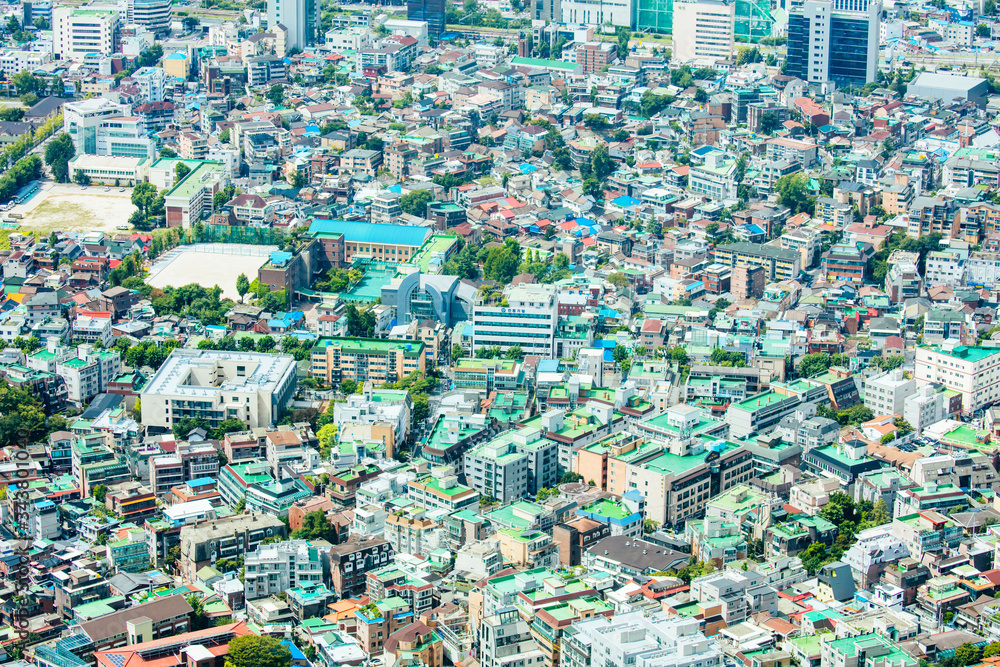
[209,265]
[67,207]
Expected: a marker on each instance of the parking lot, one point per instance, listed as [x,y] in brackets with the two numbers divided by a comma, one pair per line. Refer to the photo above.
[68,207]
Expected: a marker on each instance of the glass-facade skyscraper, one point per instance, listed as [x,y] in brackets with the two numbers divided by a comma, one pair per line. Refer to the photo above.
[432,11]
[753,18]
[834,40]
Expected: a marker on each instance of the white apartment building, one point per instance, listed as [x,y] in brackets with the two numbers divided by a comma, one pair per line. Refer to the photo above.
[972,371]
[639,639]
[152,82]
[972,471]
[348,39]
[703,30]
[375,405]
[886,393]
[944,268]
[716,178]
[505,640]
[274,568]
[78,31]
[216,385]
[368,520]
[924,407]
[526,315]
[498,470]
[874,547]
[85,370]
[14,61]
[285,449]
[983,269]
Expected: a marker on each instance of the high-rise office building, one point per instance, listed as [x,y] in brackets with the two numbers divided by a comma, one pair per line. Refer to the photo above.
[432,11]
[834,40]
[153,14]
[703,30]
[300,17]
[753,18]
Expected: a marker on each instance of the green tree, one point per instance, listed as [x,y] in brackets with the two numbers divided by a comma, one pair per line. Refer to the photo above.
[99,492]
[315,526]
[967,654]
[991,649]
[181,170]
[601,164]
[880,515]
[620,354]
[230,425]
[618,279]
[501,264]
[276,94]
[457,351]
[982,30]
[242,285]
[58,153]
[415,203]
[515,353]
[793,192]
[191,22]
[348,386]
[813,364]
[570,477]
[81,178]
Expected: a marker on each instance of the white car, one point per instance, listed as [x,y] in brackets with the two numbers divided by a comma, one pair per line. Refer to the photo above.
[123,227]
[107,188]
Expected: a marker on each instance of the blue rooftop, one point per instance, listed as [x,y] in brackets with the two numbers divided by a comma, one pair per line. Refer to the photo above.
[548,366]
[625,201]
[280,257]
[202,481]
[370,232]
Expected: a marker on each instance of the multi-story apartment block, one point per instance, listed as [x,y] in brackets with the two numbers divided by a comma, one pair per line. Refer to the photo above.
[635,638]
[974,372]
[778,264]
[191,199]
[274,568]
[928,215]
[441,490]
[926,532]
[488,375]
[885,394]
[366,359]
[847,262]
[704,30]
[966,471]
[514,464]
[763,412]
[902,280]
[190,461]
[205,542]
[505,640]
[351,562]
[214,385]
[716,178]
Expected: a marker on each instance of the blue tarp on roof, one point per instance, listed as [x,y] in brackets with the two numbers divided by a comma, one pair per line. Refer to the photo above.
[367,232]
[625,201]
[527,168]
[548,366]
